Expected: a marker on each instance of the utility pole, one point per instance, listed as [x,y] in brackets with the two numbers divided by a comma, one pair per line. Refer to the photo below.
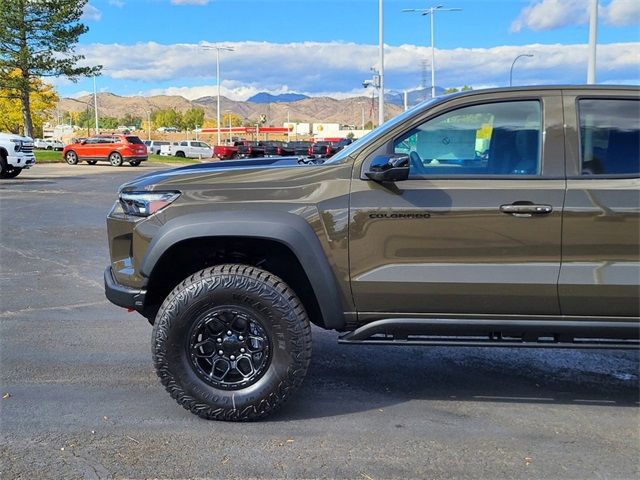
[217,48]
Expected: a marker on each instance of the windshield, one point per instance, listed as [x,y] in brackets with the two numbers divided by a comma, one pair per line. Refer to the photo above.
[381,130]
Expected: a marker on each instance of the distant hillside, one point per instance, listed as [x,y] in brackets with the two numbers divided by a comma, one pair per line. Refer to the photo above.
[264,97]
[348,111]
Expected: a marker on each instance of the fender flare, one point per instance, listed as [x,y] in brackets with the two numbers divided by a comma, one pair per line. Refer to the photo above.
[286,228]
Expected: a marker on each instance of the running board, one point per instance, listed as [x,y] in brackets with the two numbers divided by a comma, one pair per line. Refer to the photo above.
[492,333]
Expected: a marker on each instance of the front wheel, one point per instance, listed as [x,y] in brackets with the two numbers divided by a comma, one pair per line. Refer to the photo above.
[71,157]
[10,172]
[115,159]
[232,343]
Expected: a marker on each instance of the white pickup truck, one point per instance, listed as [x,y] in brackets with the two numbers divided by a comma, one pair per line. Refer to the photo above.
[48,144]
[16,154]
[187,148]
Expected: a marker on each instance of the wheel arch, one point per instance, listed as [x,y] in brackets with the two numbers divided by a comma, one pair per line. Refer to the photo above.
[282,243]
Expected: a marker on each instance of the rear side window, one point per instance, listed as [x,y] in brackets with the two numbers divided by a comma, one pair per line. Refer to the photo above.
[609,136]
[134,140]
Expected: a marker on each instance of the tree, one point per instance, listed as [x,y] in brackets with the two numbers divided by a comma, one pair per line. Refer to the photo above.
[167,117]
[37,38]
[192,118]
[42,100]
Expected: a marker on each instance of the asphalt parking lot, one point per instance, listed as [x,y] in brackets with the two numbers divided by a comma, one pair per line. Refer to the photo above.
[80,398]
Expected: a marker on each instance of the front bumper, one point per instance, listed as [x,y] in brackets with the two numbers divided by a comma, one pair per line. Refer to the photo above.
[121,295]
[21,161]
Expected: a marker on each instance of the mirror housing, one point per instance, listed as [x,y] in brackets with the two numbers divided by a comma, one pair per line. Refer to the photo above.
[389,168]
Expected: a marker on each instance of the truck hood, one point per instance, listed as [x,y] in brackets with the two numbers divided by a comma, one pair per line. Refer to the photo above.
[13,136]
[148,181]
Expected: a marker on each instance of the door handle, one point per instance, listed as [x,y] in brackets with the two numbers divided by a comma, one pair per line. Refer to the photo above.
[526,209]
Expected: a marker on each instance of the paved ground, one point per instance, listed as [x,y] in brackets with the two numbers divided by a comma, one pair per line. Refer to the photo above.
[85,402]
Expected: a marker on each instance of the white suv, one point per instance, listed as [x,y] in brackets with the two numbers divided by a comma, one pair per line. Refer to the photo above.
[187,148]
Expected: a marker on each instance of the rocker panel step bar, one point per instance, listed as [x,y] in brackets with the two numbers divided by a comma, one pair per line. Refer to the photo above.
[512,333]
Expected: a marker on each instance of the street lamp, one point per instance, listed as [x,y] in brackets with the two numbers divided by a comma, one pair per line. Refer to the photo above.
[217,48]
[513,63]
[381,60]
[95,103]
[431,11]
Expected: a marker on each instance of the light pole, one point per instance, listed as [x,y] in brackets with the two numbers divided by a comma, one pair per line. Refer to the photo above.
[381,54]
[217,49]
[593,33]
[95,103]
[431,11]
[513,63]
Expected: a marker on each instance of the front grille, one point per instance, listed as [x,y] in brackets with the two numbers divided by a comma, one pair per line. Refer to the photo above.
[26,148]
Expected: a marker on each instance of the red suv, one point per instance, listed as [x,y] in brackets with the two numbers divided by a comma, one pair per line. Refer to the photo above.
[116,149]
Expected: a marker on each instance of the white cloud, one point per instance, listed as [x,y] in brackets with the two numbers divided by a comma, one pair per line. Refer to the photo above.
[116,3]
[622,12]
[91,13]
[338,69]
[552,14]
[189,2]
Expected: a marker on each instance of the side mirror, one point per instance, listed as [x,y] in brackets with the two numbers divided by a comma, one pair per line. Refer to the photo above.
[82,142]
[389,168]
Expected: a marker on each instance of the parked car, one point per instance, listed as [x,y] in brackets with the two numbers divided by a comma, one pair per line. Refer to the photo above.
[405,237]
[251,149]
[115,149]
[153,146]
[300,148]
[48,144]
[188,149]
[325,149]
[227,151]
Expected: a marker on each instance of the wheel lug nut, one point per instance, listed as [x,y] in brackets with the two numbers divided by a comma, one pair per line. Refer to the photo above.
[219,340]
[232,357]
[220,352]
[241,338]
[242,350]
[229,332]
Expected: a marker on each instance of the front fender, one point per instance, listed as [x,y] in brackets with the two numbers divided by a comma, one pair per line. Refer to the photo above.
[285,228]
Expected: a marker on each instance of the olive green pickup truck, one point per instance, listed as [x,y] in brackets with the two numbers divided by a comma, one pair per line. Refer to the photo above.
[505,217]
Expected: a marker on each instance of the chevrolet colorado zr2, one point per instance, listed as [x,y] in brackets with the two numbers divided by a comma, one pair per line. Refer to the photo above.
[505,217]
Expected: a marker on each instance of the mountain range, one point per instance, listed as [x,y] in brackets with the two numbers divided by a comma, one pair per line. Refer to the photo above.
[348,111]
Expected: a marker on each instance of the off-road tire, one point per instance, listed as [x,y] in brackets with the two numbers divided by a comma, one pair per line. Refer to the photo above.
[71,157]
[115,159]
[250,290]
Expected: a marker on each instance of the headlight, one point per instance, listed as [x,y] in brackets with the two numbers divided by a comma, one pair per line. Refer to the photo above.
[143,204]
[18,146]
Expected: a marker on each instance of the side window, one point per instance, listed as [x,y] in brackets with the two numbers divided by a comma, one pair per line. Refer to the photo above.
[184,144]
[490,139]
[609,136]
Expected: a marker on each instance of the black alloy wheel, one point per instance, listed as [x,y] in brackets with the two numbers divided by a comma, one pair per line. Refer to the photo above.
[229,349]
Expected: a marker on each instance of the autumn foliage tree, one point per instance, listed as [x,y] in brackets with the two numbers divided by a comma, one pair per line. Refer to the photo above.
[37,39]
[42,99]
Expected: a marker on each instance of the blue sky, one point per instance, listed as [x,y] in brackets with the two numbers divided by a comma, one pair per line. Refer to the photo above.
[327,47]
